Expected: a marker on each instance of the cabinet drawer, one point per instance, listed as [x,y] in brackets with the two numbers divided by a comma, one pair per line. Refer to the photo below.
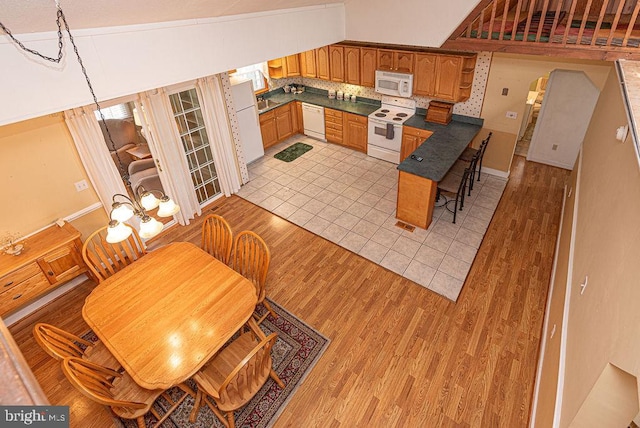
[335,126]
[23,293]
[16,277]
[358,118]
[333,113]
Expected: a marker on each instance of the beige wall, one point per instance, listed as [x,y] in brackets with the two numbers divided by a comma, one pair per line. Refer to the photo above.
[604,324]
[40,165]
[516,72]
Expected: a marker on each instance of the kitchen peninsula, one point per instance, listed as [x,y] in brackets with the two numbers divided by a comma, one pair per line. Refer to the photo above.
[418,180]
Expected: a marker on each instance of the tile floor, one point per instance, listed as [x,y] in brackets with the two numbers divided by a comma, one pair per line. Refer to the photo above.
[350,199]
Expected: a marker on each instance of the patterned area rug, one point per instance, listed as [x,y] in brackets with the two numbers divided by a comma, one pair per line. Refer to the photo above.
[295,353]
[293,152]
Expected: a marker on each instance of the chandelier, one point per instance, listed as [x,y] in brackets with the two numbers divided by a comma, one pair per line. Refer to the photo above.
[127,207]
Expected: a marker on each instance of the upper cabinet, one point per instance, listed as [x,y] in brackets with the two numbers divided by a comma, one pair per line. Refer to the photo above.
[352,65]
[308,64]
[394,60]
[336,63]
[288,66]
[442,75]
[322,63]
[368,64]
[424,79]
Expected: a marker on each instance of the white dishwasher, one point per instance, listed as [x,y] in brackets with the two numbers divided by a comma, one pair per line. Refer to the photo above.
[313,119]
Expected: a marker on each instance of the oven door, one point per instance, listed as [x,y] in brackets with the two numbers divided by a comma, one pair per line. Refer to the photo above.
[384,134]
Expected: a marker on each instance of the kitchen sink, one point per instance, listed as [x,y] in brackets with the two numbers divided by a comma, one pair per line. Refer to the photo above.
[265,104]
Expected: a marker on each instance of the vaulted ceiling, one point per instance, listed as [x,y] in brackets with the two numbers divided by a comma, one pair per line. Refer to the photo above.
[31,16]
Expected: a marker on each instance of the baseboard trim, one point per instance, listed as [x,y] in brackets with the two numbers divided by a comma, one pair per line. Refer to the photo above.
[44,300]
[496,172]
[549,162]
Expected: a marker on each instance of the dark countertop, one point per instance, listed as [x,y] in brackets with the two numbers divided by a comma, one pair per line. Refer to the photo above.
[442,149]
[360,107]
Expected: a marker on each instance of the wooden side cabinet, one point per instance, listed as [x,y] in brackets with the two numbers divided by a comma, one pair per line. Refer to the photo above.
[411,140]
[50,258]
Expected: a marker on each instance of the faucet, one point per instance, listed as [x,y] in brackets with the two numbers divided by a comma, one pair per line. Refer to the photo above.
[260,98]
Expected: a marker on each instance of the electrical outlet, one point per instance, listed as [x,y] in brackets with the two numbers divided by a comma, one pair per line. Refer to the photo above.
[554,147]
[81,185]
[512,115]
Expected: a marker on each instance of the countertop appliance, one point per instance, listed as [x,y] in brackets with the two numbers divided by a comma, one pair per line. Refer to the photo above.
[385,128]
[244,101]
[394,84]
[313,120]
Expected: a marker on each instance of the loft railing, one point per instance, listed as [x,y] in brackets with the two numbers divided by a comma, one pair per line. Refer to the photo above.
[608,28]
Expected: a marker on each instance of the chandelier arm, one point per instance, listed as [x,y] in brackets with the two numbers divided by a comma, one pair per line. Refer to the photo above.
[62,18]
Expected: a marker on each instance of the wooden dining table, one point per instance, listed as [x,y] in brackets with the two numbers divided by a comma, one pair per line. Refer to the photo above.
[164,316]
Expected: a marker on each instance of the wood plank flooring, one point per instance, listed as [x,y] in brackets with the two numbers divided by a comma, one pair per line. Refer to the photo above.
[400,355]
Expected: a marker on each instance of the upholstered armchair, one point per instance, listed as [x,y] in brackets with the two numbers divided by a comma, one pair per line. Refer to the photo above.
[144,173]
[124,135]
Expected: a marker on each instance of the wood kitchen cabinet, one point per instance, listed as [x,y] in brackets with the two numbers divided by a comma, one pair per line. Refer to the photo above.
[394,60]
[50,258]
[288,66]
[308,64]
[333,126]
[336,63]
[268,129]
[411,140]
[368,61]
[322,63]
[296,118]
[284,122]
[424,77]
[352,65]
[355,132]
[454,77]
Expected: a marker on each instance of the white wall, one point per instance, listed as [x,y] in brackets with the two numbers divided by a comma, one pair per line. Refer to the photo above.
[408,22]
[125,60]
[564,117]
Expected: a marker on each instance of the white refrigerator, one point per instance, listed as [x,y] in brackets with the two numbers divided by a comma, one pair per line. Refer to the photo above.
[244,101]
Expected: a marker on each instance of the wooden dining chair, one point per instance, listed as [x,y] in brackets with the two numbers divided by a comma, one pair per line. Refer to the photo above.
[234,376]
[251,259]
[105,259]
[217,238]
[117,390]
[61,344]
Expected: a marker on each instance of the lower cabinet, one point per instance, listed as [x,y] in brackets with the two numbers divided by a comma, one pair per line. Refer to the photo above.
[268,129]
[411,140]
[333,126]
[279,124]
[355,135]
[51,258]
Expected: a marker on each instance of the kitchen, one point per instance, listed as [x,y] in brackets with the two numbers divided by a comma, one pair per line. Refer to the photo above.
[357,223]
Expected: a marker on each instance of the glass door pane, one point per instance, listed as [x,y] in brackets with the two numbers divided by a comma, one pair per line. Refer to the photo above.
[188,115]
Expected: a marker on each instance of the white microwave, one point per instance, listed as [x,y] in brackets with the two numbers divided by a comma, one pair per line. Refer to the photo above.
[394,84]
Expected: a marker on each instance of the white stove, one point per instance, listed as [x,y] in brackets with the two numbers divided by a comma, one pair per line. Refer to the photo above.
[385,128]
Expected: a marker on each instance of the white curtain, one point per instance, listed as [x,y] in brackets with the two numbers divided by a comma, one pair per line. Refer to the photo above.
[216,119]
[166,147]
[94,154]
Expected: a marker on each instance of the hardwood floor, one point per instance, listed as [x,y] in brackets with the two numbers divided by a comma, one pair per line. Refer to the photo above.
[400,355]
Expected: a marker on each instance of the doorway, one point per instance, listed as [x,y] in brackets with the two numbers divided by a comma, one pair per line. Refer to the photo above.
[533,105]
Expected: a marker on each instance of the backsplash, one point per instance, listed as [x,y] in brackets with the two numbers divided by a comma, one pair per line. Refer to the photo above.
[472,107]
